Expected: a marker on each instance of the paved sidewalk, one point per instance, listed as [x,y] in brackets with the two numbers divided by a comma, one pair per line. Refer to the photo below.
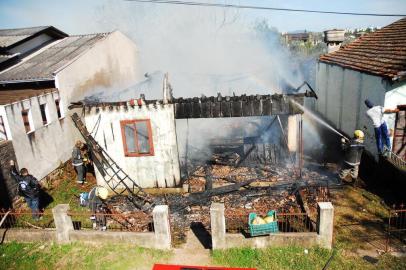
[191,253]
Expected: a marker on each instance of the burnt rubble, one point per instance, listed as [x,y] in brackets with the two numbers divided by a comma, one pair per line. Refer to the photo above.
[241,189]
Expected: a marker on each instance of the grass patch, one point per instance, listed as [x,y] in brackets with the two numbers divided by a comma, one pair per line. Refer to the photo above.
[78,256]
[360,217]
[295,258]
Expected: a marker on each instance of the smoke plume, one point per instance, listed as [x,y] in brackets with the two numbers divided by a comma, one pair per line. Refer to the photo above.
[204,50]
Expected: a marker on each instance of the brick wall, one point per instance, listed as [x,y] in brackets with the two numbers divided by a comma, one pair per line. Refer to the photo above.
[8,188]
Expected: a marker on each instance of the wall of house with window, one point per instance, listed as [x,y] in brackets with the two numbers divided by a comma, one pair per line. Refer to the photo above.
[37,133]
[141,139]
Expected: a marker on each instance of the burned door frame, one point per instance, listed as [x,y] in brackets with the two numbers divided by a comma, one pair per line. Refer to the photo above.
[399,136]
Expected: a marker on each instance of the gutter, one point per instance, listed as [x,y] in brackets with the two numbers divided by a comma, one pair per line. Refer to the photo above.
[26,81]
[400,77]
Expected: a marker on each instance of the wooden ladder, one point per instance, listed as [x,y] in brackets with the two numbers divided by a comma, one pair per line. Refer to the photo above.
[114,176]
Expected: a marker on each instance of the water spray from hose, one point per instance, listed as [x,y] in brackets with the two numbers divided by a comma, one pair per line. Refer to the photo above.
[319,120]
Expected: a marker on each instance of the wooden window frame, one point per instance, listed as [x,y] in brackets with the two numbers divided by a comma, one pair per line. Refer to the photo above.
[150,139]
[46,116]
[3,128]
[59,109]
[26,120]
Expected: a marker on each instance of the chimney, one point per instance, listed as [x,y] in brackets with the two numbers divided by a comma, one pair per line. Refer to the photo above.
[334,38]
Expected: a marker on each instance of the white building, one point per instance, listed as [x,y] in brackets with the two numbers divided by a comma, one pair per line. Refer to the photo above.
[141,139]
[372,67]
[44,59]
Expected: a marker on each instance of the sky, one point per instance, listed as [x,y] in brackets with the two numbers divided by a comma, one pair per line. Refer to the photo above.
[89,16]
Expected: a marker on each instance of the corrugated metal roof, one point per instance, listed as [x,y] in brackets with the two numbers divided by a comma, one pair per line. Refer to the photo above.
[49,59]
[9,37]
[11,96]
[6,41]
[381,53]
[28,31]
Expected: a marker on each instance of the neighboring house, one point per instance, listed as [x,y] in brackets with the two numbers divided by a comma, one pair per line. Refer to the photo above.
[373,67]
[34,60]
[33,120]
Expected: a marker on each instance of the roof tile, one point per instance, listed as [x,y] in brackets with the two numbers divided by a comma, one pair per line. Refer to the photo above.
[381,53]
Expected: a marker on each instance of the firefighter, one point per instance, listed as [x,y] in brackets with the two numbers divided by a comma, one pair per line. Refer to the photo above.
[28,187]
[352,155]
[77,162]
[94,200]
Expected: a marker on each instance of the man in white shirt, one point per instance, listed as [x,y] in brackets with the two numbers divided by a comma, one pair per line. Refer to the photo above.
[375,113]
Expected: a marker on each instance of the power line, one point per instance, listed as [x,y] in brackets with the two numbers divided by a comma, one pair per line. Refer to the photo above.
[205,4]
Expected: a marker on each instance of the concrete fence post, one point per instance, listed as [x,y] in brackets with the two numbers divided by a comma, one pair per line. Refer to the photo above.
[218,225]
[325,224]
[161,226]
[63,223]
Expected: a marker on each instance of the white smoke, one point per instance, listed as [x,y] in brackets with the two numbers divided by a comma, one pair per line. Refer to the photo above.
[204,50]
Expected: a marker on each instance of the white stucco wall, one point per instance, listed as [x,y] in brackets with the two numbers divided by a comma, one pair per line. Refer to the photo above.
[341,95]
[109,65]
[5,121]
[159,170]
[38,151]
[394,97]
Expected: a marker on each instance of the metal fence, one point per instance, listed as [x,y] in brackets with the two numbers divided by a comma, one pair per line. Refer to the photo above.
[395,159]
[131,221]
[295,222]
[396,232]
[387,234]
[287,222]
[23,219]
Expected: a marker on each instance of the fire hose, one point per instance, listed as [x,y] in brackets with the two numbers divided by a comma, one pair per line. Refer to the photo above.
[4,218]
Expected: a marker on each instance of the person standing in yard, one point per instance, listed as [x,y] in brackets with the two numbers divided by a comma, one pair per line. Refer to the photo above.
[375,113]
[94,200]
[352,155]
[28,187]
[77,162]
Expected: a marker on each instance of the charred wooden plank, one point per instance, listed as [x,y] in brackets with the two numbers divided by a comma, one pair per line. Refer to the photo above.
[216,109]
[236,108]
[276,104]
[266,105]
[196,108]
[187,108]
[257,106]
[226,108]
[206,109]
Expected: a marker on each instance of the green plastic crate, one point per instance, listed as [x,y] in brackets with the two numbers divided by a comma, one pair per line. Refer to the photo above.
[263,229]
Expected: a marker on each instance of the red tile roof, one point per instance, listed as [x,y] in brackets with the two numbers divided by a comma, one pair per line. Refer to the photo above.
[381,53]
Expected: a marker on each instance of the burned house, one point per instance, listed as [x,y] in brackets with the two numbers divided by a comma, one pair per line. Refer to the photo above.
[140,135]
[43,69]
[372,67]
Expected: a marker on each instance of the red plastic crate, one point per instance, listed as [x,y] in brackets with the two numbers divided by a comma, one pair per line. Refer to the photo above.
[185,267]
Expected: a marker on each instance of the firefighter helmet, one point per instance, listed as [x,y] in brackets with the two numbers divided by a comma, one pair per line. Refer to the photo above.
[102,193]
[358,134]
